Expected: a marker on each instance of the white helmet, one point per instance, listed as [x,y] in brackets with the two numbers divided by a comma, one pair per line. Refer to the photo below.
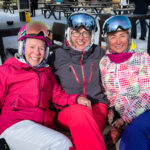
[38,30]
[81,19]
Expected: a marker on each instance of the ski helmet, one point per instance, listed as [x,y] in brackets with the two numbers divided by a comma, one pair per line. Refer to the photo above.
[81,19]
[117,23]
[34,29]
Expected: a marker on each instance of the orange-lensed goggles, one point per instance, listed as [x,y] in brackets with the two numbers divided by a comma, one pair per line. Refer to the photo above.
[36,27]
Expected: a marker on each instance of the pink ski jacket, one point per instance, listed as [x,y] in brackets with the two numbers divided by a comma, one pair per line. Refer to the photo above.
[26,93]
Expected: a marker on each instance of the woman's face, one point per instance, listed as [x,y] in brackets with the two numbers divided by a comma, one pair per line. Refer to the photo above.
[118,41]
[34,51]
[80,38]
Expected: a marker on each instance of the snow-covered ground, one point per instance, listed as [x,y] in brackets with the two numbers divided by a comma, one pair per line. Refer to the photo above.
[11,41]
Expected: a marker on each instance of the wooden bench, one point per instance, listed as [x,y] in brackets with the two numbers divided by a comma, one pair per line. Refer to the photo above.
[47,13]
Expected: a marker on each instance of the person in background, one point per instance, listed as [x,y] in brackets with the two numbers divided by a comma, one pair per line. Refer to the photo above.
[123,3]
[27,87]
[76,65]
[126,79]
[34,6]
[141,8]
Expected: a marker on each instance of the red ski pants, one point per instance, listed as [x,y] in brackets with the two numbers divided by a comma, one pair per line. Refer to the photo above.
[83,125]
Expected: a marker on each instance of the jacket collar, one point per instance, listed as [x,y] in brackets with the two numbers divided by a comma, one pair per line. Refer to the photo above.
[76,56]
[21,65]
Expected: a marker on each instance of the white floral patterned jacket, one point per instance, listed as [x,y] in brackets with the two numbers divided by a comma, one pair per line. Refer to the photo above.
[127,84]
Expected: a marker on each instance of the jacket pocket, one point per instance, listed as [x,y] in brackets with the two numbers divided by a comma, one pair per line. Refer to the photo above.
[18,103]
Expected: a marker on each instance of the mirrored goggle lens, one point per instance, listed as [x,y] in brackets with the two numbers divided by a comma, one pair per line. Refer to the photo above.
[113,24]
[77,20]
[34,28]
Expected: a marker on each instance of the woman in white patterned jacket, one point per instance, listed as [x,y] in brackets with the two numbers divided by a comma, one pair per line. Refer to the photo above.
[126,79]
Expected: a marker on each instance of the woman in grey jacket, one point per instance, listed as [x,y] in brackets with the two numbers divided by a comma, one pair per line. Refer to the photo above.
[76,64]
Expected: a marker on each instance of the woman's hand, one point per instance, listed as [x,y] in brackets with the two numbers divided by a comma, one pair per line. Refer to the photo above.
[84,101]
[119,123]
[110,116]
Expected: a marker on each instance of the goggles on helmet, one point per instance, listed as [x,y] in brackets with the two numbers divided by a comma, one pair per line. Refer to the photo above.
[75,21]
[116,22]
[36,29]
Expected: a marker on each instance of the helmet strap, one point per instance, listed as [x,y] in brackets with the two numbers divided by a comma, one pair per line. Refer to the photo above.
[20,47]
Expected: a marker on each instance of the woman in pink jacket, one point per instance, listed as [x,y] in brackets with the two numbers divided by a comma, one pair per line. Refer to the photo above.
[27,86]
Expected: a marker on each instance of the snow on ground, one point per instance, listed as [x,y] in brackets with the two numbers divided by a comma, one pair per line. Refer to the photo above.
[15,17]
[11,41]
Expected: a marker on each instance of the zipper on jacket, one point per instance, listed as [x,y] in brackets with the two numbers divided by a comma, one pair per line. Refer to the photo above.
[91,71]
[38,105]
[77,79]
[117,78]
[83,73]
[39,87]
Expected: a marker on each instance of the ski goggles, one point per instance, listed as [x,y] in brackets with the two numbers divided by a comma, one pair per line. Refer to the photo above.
[77,20]
[116,22]
[36,27]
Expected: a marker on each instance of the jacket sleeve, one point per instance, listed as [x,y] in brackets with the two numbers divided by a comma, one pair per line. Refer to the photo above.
[59,97]
[3,86]
[141,102]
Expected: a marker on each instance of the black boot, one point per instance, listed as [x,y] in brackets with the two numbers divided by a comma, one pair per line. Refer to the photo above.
[3,144]
[142,38]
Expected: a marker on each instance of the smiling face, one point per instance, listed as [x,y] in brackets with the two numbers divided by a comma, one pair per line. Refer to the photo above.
[34,51]
[118,41]
[80,38]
